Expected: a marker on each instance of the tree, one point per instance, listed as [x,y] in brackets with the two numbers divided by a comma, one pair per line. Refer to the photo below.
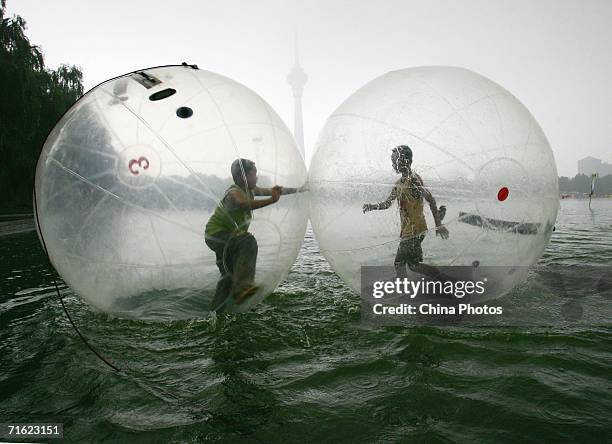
[34,98]
[581,183]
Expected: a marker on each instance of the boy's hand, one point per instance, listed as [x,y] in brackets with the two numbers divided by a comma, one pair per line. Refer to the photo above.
[442,231]
[276,193]
[368,207]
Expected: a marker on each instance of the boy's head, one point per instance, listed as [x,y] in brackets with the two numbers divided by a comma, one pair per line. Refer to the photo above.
[401,157]
[244,173]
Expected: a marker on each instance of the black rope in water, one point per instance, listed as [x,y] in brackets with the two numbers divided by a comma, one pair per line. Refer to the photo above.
[139,381]
[59,295]
[78,332]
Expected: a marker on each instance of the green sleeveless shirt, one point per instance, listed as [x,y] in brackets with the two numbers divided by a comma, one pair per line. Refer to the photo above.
[227,217]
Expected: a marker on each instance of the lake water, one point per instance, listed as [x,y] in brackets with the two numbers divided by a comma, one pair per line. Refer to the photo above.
[301,367]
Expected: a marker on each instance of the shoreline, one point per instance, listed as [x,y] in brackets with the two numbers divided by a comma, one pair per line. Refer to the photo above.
[15,226]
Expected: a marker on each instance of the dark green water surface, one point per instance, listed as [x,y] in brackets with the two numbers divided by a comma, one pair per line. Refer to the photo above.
[301,367]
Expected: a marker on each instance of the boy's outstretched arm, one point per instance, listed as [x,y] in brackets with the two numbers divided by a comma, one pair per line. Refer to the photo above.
[252,204]
[440,229]
[260,191]
[382,205]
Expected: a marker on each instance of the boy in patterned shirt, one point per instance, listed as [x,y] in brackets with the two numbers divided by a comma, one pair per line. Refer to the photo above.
[409,191]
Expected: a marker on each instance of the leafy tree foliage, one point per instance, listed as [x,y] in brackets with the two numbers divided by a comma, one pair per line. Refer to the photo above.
[581,183]
[33,99]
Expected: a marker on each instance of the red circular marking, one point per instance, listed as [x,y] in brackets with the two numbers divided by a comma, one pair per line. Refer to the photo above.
[502,194]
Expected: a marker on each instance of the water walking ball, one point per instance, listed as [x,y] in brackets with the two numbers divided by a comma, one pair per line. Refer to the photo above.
[477,149]
[130,175]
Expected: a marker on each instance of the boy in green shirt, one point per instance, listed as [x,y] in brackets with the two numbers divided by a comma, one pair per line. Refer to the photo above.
[227,233]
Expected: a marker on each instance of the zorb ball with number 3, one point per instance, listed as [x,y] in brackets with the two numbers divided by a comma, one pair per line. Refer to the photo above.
[130,175]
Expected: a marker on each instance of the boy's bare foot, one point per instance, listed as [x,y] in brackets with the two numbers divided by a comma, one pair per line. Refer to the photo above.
[246,294]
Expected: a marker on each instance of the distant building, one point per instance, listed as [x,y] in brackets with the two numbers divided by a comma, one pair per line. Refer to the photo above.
[297,79]
[590,165]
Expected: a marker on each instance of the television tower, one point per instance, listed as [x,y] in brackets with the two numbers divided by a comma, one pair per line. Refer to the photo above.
[297,79]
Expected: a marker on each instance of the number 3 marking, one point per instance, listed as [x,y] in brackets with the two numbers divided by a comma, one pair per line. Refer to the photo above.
[142,162]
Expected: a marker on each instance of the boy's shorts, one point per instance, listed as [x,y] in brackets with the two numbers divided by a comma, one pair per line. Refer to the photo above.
[409,251]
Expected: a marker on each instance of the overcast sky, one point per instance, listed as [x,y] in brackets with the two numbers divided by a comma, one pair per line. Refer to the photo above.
[555,56]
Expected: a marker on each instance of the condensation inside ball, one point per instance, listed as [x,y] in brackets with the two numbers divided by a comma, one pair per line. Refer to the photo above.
[478,150]
[133,171]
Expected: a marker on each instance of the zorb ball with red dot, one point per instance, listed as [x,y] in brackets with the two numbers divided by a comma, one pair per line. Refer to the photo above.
[130,175]
[477,149]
